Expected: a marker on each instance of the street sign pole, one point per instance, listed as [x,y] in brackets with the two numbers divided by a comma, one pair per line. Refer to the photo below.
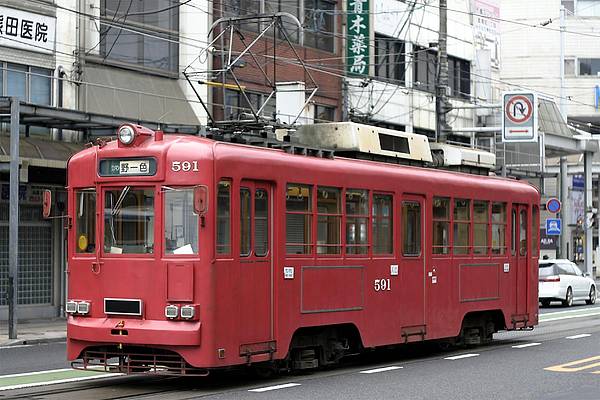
[13,230]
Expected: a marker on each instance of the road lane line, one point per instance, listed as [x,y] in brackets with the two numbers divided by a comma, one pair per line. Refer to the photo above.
[46,383]
[17,346]
[384,369]
[461,356]
[276,387]
[49,371]
[583,335]
[522,346]
[560,315]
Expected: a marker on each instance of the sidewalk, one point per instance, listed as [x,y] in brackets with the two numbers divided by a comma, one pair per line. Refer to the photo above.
[35,331]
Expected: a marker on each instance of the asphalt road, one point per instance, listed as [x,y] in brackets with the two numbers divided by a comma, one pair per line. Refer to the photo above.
[560,359]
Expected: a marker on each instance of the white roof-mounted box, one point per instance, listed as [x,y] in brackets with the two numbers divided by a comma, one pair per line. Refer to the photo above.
[347,138]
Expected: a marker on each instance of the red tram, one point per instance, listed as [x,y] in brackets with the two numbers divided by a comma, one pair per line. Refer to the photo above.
[187,254]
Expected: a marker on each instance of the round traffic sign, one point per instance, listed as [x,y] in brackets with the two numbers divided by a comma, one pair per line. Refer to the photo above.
[518,109]
[553,205]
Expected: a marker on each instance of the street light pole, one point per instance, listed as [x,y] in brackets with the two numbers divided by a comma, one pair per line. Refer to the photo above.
[13,230]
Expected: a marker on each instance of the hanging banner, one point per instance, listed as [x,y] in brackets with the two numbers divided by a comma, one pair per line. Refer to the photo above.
[357,37]
[27,30]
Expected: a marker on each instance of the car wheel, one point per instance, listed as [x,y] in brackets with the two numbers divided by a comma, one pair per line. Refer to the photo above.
[545,303]
[568,301]
[592,299]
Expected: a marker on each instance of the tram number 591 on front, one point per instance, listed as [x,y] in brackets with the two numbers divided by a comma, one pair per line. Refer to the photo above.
[382,285]
[184,166]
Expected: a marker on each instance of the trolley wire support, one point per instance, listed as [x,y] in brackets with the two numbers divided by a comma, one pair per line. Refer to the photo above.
[234,48]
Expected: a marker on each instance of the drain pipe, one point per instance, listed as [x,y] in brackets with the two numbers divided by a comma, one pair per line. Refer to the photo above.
[61,75]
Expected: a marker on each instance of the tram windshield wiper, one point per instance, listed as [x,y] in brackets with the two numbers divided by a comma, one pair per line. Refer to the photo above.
[117,206]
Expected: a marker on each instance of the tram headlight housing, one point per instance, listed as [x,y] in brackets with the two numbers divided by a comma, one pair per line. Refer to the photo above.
[188,312]
[126,135]
[83,307]
[171,311]
[71,307]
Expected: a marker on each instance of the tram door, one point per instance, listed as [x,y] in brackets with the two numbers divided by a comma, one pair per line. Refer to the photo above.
[255,233]
[412,264]
[519,248]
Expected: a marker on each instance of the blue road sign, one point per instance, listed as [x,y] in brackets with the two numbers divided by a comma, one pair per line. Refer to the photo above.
[553,226]
[553,205]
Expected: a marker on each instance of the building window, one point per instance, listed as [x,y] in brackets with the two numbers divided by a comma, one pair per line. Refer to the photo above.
[155,47]
[316,16]
[324,113]
[237,107]
[569,5]
[30,84]
[588,66]
[586,8]
[389,59]
[425,67]
[570,67]
[318,24]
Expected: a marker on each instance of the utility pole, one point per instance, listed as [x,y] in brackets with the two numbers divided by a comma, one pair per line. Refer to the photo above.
[564,177]
[442,105]
[13,223]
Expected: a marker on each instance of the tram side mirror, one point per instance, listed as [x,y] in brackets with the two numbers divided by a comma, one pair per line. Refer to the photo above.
[46,203]
[200,200]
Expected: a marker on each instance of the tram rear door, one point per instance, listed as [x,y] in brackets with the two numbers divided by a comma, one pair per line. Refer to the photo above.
[255,236]
[519,249]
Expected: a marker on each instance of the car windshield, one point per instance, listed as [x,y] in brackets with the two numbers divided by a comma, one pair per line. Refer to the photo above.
[547,269]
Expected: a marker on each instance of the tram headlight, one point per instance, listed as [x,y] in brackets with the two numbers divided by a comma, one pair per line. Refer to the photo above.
[83,307]
[188,312]
[171,311]
[126,134]
[71,307]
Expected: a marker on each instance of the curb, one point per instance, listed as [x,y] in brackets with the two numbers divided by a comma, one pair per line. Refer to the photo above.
[24,342]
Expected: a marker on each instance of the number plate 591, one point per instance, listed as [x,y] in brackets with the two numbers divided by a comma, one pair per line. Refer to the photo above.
[382,284]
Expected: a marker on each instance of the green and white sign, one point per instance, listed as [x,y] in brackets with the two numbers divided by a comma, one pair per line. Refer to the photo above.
[357,37]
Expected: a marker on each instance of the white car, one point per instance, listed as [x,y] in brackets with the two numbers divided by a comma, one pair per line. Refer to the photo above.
[562,280]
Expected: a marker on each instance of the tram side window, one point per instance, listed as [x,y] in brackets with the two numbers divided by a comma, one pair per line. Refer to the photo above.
[513,239]
[441,225]
[85,223]
[224,218]
[535,228]
[181,224]
[261,223]
[245,221]
[129,221]
[411,228]
[329,220]
[498,228]
[357,217]
[481,215]
[523,233]
[462,223]
[298,219]
[383,229]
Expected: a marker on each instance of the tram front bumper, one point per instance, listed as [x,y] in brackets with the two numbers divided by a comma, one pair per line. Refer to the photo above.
[134,331]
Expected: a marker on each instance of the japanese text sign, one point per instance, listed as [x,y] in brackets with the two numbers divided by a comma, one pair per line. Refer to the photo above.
[358,37]
[26,30]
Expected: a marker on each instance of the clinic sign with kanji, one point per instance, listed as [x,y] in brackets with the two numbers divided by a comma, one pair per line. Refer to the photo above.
[520,117]
[28,31]
[357,37]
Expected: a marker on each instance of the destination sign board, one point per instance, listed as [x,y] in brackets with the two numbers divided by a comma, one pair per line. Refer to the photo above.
[127,167]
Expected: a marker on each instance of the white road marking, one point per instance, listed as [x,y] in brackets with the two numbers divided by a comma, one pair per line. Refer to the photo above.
[276,387]
[50,371]
[18,346]
[461,356]
[522,346]
[384,369]
[28,385]
[578,336]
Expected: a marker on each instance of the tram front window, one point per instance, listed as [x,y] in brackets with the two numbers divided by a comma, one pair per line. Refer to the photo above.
[129,221]
[181,223]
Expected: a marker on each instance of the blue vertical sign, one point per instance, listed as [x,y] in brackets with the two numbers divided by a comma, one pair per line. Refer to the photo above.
[553,226]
